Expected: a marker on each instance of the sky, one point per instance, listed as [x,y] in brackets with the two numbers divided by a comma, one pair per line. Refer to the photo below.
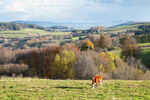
[84,11]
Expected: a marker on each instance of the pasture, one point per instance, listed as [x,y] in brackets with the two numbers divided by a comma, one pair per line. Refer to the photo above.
[145,56]
[144,44]
[29,32]
[45,89]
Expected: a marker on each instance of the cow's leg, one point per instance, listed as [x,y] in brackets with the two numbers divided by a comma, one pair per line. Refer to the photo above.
[96,83]
[93,86]
[101,84]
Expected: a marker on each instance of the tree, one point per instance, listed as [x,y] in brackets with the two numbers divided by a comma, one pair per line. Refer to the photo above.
[129,48]
[85,67]
[72,47]
[86,45]
[63,65]
[104,41]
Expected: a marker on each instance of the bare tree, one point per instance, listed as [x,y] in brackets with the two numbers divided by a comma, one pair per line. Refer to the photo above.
[85,67]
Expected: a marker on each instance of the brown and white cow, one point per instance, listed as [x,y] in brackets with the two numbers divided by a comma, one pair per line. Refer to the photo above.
[96,80]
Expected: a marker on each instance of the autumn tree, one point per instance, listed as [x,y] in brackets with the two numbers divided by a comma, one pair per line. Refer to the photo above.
[63,65]
[72,47]
[49,57]
[86,45]
[129,48]
[85,67]
[104,42]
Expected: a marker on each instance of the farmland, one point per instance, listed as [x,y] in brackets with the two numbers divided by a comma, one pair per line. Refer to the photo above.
[29,32]
[145,56]
[123,28]
[44,89]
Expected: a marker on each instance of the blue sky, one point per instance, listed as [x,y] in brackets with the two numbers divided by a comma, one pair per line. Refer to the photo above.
[90,11]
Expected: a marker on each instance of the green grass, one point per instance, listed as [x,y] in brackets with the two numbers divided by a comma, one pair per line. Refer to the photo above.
[77,38]
[145,56]
[29,32]
[144,44]
[122,28]
[116,51]
[44,89]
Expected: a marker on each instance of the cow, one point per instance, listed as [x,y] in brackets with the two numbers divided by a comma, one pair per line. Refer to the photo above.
[96,80]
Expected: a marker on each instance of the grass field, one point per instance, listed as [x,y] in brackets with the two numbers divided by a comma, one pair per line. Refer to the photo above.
[145,56]
[29,33]
[123,28]
[44,89]
[144,44]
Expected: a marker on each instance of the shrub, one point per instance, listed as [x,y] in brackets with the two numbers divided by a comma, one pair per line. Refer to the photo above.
[127,73]
[146,75]
[132,61]
[10,69]
[7,56]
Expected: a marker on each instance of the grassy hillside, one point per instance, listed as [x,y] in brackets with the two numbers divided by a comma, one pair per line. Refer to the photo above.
[145,56]
[144,44]
[124,28]
[29,32]
[44,89]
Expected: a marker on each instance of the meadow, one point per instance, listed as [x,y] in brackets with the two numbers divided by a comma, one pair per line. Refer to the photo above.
[46,89]
[122,28]
[144,44]
[29,32]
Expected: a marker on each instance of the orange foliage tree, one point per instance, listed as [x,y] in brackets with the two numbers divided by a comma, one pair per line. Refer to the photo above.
[104,42]
[87,45]
[129,48]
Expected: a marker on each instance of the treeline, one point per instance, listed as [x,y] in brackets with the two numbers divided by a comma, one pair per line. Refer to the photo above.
[17,26]
[142,38]
[142,35]
[59,29]
[75,62]
[93,30]
[143,29]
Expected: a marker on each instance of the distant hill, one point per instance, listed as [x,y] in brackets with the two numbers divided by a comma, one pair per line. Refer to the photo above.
[124,24]
[129,26]
[50,24]
[40,23]
[5,26]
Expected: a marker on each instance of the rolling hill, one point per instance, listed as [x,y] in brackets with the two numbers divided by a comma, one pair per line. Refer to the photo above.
[125,26]
[29,32]
[75,25]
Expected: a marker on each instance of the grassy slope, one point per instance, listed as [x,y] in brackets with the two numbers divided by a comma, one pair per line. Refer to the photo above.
[43,89]
[28,33]
[145,56]
[144,44]
[122,28]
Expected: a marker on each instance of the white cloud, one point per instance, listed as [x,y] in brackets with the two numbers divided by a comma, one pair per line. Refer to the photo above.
[72,10]
[16,7]
[1,2]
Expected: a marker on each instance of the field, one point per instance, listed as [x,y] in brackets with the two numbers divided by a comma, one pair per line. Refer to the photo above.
[144,44]
[29,32]
[44,89]
[145,56]
[122,28]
